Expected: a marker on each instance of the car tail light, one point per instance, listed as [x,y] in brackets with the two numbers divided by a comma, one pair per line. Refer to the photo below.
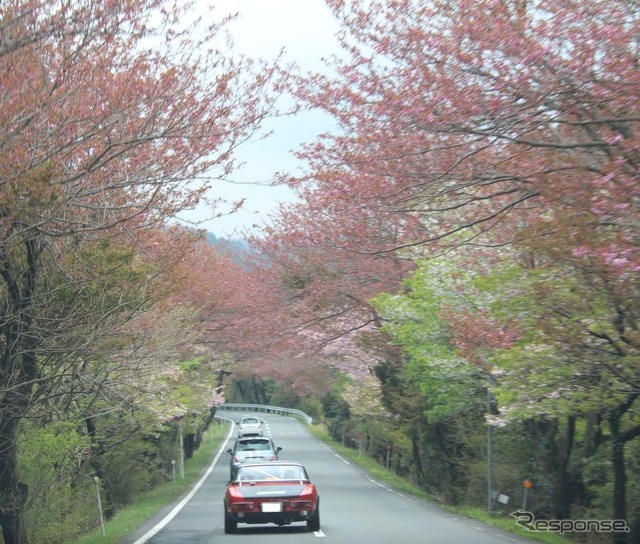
[306,505]
[306,500]
[237,502]
[235,459]
[234,493]
[241,506]
[272,458]
[308,491]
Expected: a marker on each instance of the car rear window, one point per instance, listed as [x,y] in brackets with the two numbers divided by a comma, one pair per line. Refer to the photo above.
[277,472]
[254,445]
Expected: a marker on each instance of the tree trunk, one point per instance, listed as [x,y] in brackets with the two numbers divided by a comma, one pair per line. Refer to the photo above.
[619,476]
[18,371]
[553,453]
[189,445]
[592,435]
[239,391]
[417,459]
[260,391]
[13,493]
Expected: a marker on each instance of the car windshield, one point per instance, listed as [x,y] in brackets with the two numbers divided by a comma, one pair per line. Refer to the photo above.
[251,445]
[275,472]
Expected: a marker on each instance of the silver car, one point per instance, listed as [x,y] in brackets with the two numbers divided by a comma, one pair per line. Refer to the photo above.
[250,426]
[255,449]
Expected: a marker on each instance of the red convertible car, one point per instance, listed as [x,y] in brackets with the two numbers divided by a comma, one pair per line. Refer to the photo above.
[279,493]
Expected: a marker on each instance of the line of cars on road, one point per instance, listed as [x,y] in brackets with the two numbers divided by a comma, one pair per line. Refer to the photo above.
[251,449]
[263,489]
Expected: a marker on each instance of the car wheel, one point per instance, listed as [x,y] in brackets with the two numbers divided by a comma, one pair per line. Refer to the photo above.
[230,524]
[314,521]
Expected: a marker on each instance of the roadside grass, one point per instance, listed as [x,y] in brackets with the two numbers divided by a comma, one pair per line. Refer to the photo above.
[380,473]
[133,516]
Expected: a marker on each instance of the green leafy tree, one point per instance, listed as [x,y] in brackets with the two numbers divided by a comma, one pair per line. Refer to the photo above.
[577,357]
[439,395]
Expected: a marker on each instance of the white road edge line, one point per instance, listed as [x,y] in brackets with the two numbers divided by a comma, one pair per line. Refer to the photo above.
[334,453]
[156,529]
[387,488]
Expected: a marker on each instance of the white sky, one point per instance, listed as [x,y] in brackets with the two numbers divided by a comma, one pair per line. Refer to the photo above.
[306,30]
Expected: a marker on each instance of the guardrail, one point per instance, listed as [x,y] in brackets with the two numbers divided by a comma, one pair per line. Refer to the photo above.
[266,409]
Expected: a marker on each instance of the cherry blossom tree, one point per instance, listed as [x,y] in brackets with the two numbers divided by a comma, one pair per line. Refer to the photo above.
[113,117]
[474,126]
[448,128]
[451,135]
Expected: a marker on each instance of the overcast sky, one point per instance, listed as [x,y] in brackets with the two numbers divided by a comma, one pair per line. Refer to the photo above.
[306,30]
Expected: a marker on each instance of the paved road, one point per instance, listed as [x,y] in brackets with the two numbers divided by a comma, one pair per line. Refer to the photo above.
[354,508]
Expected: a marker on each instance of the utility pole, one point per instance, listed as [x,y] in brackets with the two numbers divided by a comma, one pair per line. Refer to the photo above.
[490,401]
[181,449]
[97,482]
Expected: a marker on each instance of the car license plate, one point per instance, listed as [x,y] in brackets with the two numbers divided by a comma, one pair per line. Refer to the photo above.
[272,507]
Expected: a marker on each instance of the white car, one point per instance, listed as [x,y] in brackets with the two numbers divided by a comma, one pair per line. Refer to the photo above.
[252,449]
[250,426]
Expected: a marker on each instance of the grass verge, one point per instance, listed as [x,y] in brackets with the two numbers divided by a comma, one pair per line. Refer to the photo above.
[380,473]
[133,516]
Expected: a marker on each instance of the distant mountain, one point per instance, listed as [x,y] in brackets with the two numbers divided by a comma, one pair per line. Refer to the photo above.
[238,248]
